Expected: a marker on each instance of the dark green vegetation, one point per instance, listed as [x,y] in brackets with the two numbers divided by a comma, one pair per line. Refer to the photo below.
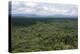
[43,34]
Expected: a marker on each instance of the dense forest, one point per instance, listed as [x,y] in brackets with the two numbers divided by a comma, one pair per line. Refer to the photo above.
[43,34]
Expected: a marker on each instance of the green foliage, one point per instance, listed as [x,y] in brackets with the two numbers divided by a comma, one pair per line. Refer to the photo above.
[42,36]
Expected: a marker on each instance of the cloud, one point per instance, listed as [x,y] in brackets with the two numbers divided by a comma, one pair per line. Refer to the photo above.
[30,4]
[44,9]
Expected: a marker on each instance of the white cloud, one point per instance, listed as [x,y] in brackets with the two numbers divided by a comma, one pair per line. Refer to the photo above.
[44,9]
[30,4]
[52,1]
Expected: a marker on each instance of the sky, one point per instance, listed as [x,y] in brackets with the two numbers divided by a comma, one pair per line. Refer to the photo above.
[52,1]
[42,8]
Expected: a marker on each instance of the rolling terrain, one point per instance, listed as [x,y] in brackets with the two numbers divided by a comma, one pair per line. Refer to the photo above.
[43,34]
